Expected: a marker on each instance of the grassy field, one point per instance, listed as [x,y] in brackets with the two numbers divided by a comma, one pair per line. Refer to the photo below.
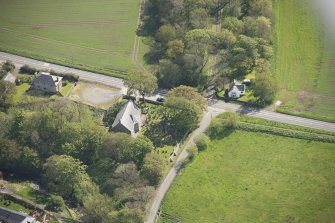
[94,34]
[304,61]
[253,177]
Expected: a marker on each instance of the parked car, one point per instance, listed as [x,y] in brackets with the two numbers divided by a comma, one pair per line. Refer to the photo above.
[160,99]
[246,82]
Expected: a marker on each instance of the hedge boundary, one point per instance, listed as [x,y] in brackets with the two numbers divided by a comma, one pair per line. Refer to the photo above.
[285,132]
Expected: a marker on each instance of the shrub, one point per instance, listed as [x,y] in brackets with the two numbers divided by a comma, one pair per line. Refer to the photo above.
[26,69]
[192,152]
[216,128]
[2,73]
[202,142]
[55,203]
[66,76]
[8,66]
[231,119]
[24,78]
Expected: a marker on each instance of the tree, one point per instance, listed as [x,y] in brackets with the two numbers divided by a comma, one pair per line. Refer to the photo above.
[126,215]
[265,88]
[7,91]
[9,154]
[114,146]
[175,49]
[233,24]
[190,94]
[97,208]
[30,163]
[144,83]
[202,142]
[185,114]
[8,66]
[153,168]
[67,176]
[199,18]
[241,59]
[138,148]
[55,203]
[165,34]
[169,73]
[125,177]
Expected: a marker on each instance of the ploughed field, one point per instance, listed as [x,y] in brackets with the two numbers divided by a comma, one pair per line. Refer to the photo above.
[254,177]
[304,60]
[97,35]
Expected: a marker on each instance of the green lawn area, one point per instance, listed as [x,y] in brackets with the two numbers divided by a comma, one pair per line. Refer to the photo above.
[33,195]
[22,97]
[15,207]
[94,35]
[304,61]
[65,90]
[253,177]
[20,91]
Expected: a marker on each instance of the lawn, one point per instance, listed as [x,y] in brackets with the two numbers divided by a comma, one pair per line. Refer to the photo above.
[97,35]
[253,177]
[65,90]
[33,195]
[304,61]
[15,207]
[22,96]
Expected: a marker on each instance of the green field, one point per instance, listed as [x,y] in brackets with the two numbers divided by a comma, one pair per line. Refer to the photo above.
[253,177]
[94,34]
[304,61]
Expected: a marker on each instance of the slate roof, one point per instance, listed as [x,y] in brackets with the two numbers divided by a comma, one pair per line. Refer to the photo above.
[14,217]
[240,87]
[46,79]
[237,86]
[128,116]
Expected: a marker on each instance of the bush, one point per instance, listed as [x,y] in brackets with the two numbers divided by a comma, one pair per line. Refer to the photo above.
[231,119]
[216,128]
[55,203]
[24,78]
[192,152]
[66,76]
[2,73]
[202,142]
[8,66]
[26,69]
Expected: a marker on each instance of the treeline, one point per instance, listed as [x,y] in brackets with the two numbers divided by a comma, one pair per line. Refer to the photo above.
[63,145]
[181,38]
[251,23]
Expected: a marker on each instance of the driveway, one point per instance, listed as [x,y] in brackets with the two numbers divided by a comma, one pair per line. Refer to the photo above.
[96,95]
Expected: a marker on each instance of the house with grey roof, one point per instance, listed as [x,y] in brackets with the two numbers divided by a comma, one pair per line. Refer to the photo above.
[47,82]
[9,216]
[236,90]
[128,119]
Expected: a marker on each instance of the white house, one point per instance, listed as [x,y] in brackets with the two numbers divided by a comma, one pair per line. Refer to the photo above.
[236,90]
[128,119]
[47,82]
